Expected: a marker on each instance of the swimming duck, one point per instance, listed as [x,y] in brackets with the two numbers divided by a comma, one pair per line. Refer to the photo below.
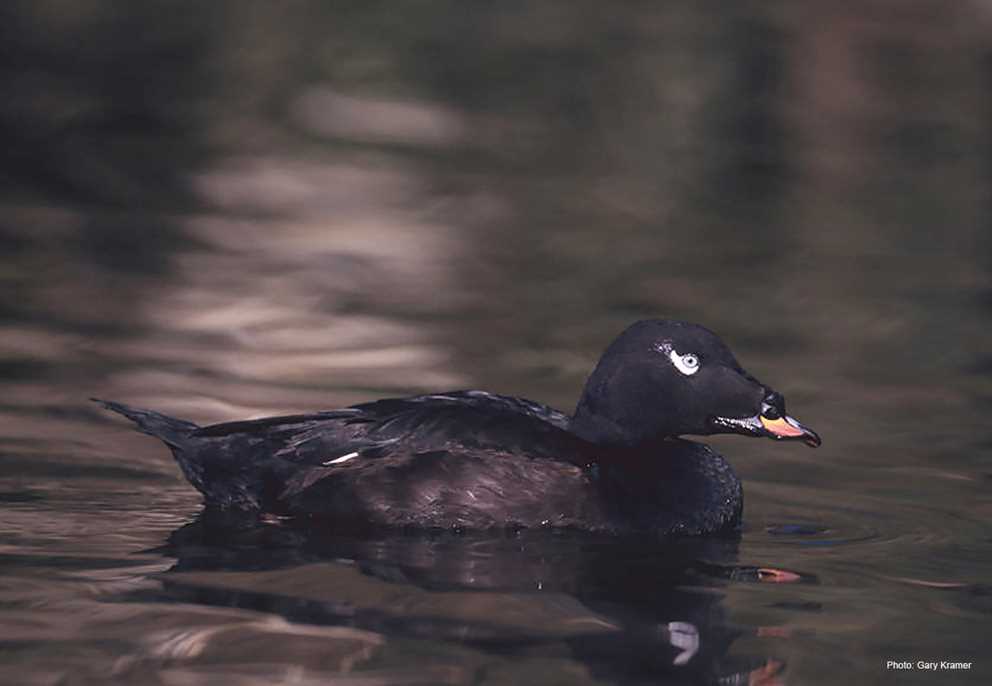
[477,460]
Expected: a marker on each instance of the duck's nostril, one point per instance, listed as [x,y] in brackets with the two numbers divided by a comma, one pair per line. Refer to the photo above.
[773,406]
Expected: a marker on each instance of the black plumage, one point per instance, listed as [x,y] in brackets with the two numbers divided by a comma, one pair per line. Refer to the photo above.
[471,459]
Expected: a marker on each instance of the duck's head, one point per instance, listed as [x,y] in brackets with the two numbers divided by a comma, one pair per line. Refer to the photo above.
[663,378]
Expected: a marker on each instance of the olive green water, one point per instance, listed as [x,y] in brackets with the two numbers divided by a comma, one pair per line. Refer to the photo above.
[232,209]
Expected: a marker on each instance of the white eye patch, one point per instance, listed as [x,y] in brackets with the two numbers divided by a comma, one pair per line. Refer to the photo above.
[688,364]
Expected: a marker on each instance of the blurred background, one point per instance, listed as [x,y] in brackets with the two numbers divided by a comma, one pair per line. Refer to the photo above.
[233,209]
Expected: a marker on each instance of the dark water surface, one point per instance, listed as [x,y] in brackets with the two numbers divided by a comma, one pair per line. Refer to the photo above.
[227,210]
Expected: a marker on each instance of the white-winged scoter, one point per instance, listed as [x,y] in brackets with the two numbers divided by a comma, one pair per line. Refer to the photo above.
[476,460]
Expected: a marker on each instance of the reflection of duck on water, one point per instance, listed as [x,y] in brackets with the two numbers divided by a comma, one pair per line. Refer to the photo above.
[619,608]
[475,460]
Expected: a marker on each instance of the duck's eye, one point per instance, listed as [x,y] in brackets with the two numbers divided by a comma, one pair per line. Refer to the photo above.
[688,364]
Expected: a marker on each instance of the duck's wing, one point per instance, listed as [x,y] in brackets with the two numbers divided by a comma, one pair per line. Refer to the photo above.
[461,419]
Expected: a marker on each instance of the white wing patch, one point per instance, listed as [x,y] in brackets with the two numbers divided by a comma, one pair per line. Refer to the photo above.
[339,460]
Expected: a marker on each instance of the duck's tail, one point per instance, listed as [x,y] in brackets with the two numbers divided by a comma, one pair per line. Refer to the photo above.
[232,486]
[170,430]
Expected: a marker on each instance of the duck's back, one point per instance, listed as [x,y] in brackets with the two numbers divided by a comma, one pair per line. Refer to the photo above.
[466,458]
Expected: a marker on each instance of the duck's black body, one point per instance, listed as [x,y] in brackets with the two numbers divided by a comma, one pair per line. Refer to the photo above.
[471,459]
